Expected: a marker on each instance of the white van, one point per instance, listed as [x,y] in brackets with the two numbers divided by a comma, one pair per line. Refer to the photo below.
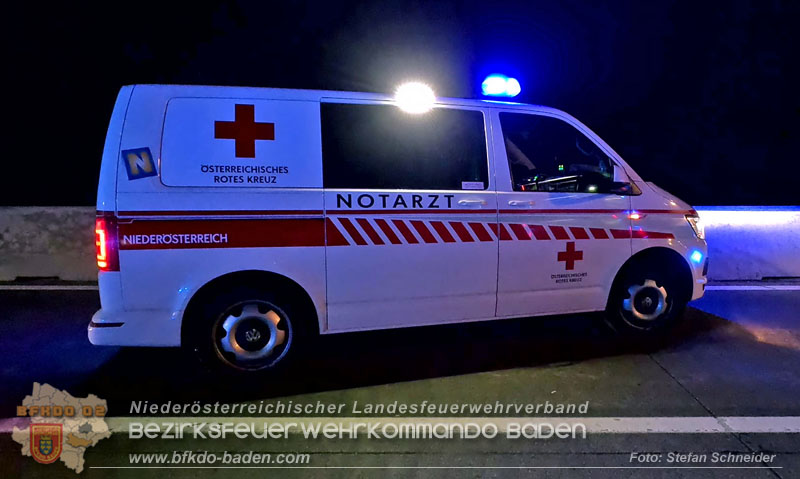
[240,222]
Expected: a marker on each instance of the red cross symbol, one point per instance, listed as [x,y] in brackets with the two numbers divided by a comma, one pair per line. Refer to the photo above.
[245,130]
[570,256]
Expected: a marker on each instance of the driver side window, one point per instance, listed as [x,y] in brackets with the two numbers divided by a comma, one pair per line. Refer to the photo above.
[548,154]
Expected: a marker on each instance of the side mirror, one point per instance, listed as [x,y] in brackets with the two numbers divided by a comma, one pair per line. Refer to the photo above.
[622,185]
[619,175]
[624,189]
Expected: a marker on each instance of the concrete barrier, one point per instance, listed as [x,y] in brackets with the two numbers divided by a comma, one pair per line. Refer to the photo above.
[47,242]
[745,242]
[752,242]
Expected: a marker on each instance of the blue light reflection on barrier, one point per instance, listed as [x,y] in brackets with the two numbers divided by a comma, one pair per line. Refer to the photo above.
[500,85]
[749,216]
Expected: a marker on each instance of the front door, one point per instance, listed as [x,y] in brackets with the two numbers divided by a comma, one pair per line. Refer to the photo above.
[563,233]
[410,216]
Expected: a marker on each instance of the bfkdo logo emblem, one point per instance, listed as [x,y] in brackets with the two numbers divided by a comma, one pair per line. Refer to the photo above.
[46,440]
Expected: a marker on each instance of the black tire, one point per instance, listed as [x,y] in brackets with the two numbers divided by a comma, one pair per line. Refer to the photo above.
[647,300]
[230,329]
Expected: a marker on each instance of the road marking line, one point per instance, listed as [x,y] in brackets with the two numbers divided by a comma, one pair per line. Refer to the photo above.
[594,425]
[755,287]
[48,287]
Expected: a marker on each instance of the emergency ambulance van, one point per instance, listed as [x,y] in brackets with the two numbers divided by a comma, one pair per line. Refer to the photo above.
[242,222]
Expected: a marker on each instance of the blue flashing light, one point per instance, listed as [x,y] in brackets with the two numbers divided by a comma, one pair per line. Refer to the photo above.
[512,87]
[500,85]
[697,257]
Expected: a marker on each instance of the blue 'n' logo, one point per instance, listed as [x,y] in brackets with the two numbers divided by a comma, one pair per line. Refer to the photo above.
[139,163]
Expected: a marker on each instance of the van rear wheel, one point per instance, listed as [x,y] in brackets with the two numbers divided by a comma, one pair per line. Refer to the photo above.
[646,301]
[246,330]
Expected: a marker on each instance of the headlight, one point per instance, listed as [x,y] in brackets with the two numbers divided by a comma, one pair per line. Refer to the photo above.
[697,226]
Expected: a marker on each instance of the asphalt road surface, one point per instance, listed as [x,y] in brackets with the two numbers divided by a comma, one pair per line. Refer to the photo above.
[736,355]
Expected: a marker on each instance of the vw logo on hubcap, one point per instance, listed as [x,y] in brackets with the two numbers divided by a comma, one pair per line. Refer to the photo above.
[252,335]
[646,301]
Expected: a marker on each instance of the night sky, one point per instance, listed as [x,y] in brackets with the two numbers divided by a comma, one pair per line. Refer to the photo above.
[699,97]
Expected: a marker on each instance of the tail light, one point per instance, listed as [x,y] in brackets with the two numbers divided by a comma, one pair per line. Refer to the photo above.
[105,241]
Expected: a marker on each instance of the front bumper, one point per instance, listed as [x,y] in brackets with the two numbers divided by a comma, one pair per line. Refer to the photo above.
[700,281]
[135,328]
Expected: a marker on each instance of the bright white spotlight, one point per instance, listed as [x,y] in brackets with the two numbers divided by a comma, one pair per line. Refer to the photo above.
[414,97]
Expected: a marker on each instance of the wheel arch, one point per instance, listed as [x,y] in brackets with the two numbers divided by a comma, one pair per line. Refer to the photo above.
[249,277]
[657,256]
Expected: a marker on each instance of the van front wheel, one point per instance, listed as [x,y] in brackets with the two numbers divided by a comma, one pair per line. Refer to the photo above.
[646,301]
[245,329]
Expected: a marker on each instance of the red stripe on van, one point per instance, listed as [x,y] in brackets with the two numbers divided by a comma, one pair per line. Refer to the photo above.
[387,230]
[351,229]
[559,232]
[493,229]
[223,213]
[385,212]
[423,231]
[639,234]
[480,231]
[599,233]
[334,237]
[539,232]
[577,211]
[462,232]
[504,235]
[520,232]
[373,235]
[578,233]
[402,211]
[621,234]
[178,234]
[407,234]
[443,232]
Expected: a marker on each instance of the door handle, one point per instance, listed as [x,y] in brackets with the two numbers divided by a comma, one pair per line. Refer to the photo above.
[471,202]
[521,203]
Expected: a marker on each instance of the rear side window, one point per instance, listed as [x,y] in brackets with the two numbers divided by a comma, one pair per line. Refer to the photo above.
[382,147]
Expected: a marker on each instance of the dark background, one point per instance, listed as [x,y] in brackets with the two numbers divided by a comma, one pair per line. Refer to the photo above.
[700,97]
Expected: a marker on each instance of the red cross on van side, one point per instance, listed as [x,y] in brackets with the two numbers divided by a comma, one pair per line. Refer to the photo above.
[244,130]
